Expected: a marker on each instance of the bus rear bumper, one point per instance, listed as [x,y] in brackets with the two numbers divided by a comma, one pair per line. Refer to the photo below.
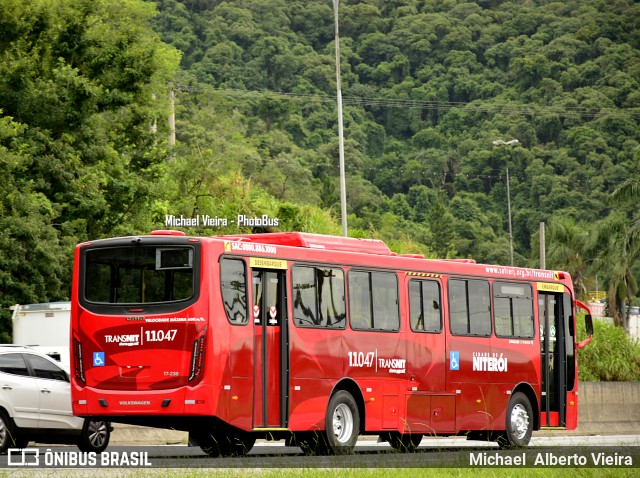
[89,401]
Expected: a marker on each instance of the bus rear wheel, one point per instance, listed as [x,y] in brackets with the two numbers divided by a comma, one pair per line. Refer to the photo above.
[519,423]
[342,423]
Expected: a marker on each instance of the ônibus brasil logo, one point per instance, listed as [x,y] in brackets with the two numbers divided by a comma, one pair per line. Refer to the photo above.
[32,457]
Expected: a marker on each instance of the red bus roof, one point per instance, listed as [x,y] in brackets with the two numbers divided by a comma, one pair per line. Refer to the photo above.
[317,241]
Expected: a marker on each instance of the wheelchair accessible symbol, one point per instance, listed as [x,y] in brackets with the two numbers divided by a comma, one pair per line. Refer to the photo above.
[454,360]
[98,359]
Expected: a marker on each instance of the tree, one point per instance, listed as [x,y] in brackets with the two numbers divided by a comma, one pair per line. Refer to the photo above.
[569,249]
[623,252]
[77,149]
[620,254]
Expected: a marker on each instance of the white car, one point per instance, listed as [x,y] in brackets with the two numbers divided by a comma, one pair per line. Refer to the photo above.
[35,404]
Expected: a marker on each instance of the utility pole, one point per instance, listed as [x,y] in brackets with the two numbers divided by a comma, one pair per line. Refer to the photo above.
[172,117]
[543,259]
[511,142]
[343,186]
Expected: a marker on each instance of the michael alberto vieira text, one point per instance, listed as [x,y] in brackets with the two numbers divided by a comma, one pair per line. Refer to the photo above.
[596,459]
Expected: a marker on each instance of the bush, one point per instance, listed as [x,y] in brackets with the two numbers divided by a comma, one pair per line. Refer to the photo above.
[612,356]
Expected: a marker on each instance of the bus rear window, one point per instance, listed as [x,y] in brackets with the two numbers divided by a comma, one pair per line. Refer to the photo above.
[138,275]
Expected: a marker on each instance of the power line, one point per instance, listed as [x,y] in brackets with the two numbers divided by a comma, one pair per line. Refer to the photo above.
[477,105]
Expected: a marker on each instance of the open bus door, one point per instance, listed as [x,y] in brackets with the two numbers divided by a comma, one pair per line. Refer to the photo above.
[557,355]
[270,348]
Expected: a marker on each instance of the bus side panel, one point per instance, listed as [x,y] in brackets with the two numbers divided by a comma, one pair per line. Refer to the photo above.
[522,362]
[308,404]
[572,396]
[315,367]
[522,365]
[475,411]
[377,361]
[572,409]
[236,382]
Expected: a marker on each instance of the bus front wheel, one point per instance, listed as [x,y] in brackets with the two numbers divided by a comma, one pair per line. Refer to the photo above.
[342,423]
[519,423]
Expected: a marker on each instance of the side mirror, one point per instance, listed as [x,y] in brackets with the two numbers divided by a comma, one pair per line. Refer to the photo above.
[588,325]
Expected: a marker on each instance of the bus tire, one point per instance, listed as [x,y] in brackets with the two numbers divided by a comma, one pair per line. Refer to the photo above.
[478,435]
[312,443]
[519,423]
[404,442]
[218,445]
[211,444]
[342,423]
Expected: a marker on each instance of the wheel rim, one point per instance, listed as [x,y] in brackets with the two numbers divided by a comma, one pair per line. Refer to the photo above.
[3,431]
[342,423]
[97,433]
[519,421]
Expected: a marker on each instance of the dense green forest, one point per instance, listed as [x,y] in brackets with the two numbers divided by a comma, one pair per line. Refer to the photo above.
[87,87]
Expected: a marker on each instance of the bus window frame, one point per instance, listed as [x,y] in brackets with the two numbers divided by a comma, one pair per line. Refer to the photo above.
[110,308]
[530,297]
[487,281]
[439,286]
[248,314]
[394,273]
[315,266]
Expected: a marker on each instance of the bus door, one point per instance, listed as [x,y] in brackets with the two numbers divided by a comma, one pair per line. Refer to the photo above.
[270,357]
[554,314]
[429,409]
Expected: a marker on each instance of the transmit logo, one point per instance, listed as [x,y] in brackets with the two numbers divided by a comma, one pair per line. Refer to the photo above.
[23,457]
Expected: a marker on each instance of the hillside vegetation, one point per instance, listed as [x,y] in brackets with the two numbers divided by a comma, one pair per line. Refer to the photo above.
[428,86]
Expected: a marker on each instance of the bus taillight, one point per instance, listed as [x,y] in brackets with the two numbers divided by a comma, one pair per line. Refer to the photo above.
[78,367]
[197,356]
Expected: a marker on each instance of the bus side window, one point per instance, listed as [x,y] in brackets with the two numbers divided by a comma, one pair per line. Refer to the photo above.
[470,305]
[385,301]
[331,301]
[503,322]
[304,293]
[424,306]
[459,319]
[373,301]
[359,301]
[479,308]
[319,299]
[513,309]
[233,282]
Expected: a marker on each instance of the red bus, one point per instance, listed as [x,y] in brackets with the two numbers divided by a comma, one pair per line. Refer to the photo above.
[318,339]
